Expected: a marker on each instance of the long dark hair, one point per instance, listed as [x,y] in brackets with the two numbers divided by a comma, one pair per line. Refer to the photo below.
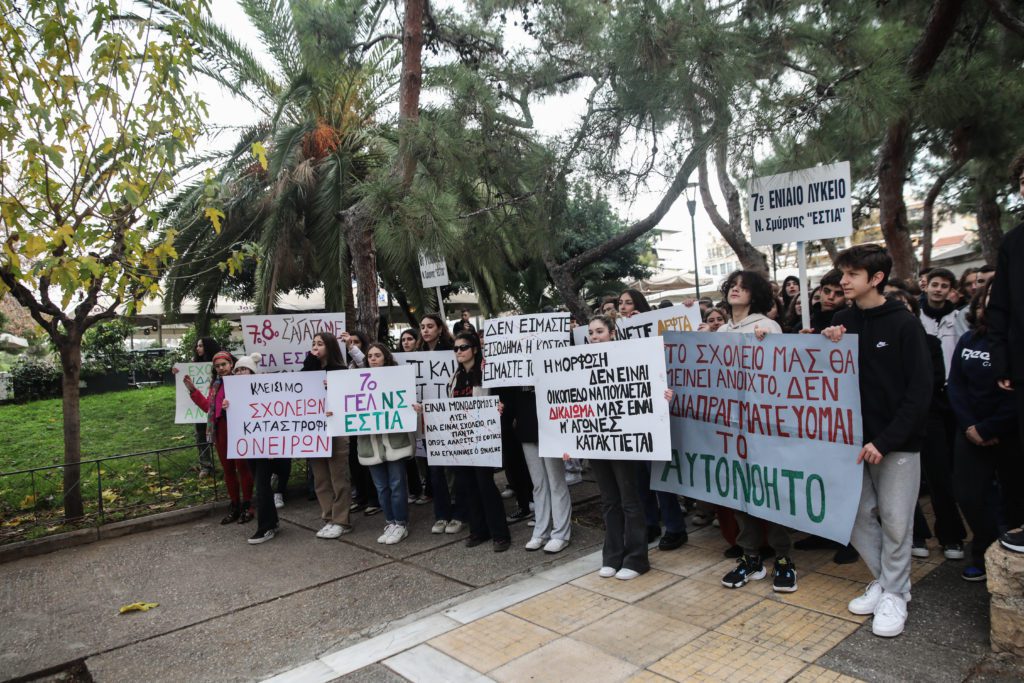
[415,334]
[976,311]
[210,347]
[334,359]
[444,337]
[389,358]
[639,300]
[786,298]
[476,372]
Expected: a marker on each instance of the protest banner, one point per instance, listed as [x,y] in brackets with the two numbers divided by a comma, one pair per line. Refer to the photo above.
[770,427]
[604,401]
[434,369]
[283,340]
[463,432]
[185,411]
[371,401]
[653,323]
[277,416]
[810,204]
[509,344]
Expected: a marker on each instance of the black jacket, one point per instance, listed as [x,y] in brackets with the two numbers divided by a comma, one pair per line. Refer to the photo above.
[973,393]
[1005,311]
[895,374]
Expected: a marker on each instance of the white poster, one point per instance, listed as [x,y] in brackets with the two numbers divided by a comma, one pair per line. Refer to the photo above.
[653,323]
[284,339]
[604,401]
[185,411]
[772,428]
[509,345]
[433,270]
[434,369]
[811,204]
[463,432]
[371,401]
[277,416]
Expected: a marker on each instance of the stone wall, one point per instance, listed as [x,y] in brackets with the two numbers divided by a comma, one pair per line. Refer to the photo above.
[1005,576]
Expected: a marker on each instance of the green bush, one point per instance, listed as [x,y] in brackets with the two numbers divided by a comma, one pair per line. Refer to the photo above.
[220,330]
[103,347]
[33,379]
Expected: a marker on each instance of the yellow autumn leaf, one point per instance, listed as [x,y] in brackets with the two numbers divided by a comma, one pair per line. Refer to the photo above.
[16,521]
[215,216]
[137,607]
[28,502]
[260,152]
[109,496]
[34,245]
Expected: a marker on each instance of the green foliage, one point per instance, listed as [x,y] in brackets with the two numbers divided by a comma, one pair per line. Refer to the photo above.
[103,345]
[219,329]
[33,379]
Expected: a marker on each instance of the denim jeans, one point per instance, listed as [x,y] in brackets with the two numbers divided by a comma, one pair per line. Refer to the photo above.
[659,506]
[392,489]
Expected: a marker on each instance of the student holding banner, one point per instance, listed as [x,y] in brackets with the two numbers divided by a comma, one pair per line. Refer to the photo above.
[632,302]
[434,334]
[330,475]
[206,349]
[364,496]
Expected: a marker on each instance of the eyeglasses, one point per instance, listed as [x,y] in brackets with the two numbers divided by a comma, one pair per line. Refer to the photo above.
[463,347]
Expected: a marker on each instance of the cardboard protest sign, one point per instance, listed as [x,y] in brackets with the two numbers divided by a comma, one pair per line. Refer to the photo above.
[509,344]
[650,324]
[277,416]
[604,401]
[772,428]
[463,431]
[434,369]
[371,401]
[433,270]
[185,411]
[811,204]
[284,339]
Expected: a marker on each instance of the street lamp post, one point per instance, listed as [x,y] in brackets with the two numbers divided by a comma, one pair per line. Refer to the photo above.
[691,205]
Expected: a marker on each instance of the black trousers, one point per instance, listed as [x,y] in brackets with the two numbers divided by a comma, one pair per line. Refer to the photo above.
[937,464]
[625,529]
[282,467]
[513,461]
[362,482]
[266,513]
[483,502]
[976,470]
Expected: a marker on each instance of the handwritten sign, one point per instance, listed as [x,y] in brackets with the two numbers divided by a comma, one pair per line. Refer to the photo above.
[811,204]
[509,344]
[433,270]
[371,401]
[284,339]
[772,428]
[434,369]
[277,416]
[604,401]
[463,432]
[650,324]
[185,411]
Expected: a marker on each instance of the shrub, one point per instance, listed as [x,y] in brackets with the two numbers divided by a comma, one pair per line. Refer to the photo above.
[33,379]
[220,330]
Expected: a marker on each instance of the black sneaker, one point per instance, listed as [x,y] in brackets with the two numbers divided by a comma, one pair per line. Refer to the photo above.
[474,541]
[846,555]
[815,543]
[518,515]
[973,573]
[262,536]
[733,552]
[671,540]
[748,568]
[1013,540]
[653,531]
[784,576]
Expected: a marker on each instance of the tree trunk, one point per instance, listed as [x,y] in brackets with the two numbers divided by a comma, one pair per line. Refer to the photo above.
[71,364]
[730,229]
[928,211]
[990,225]
[359,232]
[568,288]
[346,286]
[830,247]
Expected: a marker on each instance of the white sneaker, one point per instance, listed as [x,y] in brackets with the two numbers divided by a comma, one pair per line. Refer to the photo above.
[439,526]
[626,574]
[606,572]
[866,603]
[398,532]
[383,538]
[278,500]
[556,545]
[890,616]
[453,527]
[323,531]
[535,543]
[920,551]
[334,531]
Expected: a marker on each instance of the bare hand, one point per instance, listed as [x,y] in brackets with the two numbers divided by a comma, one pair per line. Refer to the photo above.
[189,384]
[703,327]
[809,330]
[345,338]
[418,407]
[226,404]
[760,333]
[869,454]
[834,333]
[1005,384]
[689,301]
[175,371]
[668,394]
[501,408]
[565,456]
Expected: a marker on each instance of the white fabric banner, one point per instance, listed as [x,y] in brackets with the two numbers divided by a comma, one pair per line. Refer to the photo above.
[277,416]
[284,339]
[509,345]
[185,411]
[371,401]
[604,401]
[463,431]
[654,323]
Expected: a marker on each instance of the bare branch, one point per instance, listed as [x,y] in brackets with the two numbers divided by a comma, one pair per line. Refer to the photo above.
[1002,14]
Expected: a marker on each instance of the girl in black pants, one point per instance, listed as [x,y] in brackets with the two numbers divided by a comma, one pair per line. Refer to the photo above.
[986,446]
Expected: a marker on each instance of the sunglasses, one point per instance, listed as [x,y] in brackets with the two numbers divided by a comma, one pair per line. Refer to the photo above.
[463,347]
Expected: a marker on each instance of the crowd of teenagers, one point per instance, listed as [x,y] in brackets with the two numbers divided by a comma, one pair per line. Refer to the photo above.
[941,374]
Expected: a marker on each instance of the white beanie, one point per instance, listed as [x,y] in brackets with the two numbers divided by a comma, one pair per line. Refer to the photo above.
[251,362]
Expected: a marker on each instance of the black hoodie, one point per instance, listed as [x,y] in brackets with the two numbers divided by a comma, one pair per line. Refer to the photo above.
[895,374]
[1005,310]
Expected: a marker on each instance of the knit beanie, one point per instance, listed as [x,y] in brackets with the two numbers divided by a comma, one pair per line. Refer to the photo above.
[250,362]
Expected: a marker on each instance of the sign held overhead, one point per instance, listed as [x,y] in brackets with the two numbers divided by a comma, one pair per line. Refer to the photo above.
[810,204]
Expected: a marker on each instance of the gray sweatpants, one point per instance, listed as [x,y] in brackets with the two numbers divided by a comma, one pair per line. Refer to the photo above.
[883,531]
[551,501]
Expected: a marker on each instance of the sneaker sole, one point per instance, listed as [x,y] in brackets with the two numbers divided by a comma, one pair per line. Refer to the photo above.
[974,579]
[887,634]
[784,589]
[257,541]
[920,556]
[860,613]
[756,576]
[954,556]
[1011,546]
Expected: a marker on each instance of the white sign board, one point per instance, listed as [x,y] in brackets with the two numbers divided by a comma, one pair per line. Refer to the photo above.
[509,345]
[811,204]
[277,416]
[185,411]
[604,401]
[371,401]
[433,270]
[434,369]
[284,339]
[653,323]
[771,428]
[463,431]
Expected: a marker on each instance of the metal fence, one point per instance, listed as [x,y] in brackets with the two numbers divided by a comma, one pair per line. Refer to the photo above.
[114,488]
